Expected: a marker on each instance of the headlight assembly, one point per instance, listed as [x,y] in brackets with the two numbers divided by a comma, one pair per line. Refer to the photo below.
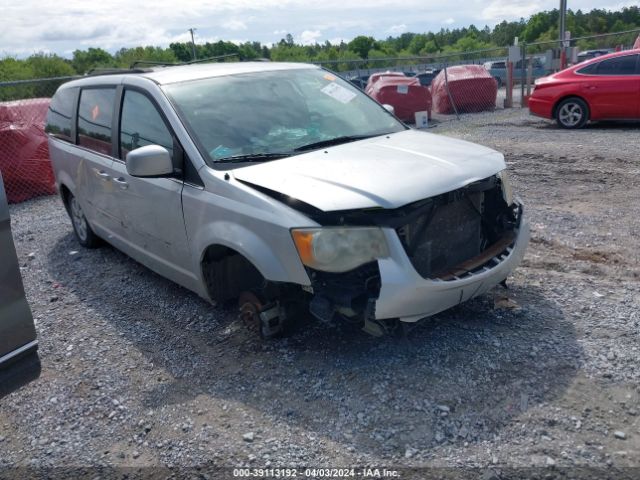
[336,249]
[507,192]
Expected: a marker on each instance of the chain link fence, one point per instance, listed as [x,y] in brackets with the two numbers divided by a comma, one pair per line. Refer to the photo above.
[453,83]
[460,82]
[446,86]
[24,153]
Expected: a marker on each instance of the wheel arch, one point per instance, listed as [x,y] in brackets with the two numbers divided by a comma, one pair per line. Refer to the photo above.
[65,193]
[66,186]
[227,272]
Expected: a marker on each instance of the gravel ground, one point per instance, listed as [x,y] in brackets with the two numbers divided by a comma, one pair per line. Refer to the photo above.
[139,372]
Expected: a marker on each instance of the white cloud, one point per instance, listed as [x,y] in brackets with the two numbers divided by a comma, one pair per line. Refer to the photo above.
[34,25]
[448,21]
[397,29]
[234,25]
[309,37]
[498,10]
[339,40]
[344,24]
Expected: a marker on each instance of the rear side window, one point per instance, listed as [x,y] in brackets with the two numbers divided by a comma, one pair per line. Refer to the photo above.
[589,69]
[95,113]
[625,65]
[141,124]
[60,114]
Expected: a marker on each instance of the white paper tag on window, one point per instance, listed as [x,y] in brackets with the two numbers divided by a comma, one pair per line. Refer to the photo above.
[404,89]
[338,92]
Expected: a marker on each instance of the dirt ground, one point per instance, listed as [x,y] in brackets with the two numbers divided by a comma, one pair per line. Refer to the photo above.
[540,379]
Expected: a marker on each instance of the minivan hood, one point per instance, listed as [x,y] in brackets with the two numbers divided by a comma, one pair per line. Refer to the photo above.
[388,171]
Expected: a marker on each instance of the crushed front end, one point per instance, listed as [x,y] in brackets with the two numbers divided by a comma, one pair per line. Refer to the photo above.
[442,251]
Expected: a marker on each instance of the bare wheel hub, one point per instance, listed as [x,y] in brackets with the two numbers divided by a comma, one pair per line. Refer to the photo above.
[250,308]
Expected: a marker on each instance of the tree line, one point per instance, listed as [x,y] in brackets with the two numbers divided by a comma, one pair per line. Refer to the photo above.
[540,27]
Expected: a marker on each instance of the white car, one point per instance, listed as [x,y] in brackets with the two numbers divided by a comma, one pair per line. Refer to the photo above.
[283,184]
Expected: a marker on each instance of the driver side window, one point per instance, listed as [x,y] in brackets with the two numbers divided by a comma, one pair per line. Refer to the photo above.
[141,124]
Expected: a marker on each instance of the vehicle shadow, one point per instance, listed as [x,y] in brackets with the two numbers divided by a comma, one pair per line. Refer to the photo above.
[459,377]
[18,373]
[613,125]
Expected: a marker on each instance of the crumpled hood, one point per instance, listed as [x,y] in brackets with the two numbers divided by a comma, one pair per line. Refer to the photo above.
[388,172]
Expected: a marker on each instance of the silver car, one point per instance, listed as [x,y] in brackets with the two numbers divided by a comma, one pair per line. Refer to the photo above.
[284,186]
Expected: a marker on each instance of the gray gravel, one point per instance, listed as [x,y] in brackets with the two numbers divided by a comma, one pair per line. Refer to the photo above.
[138,371]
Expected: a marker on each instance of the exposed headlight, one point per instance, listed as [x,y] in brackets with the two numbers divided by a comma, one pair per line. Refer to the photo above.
[336,249]
[507,192]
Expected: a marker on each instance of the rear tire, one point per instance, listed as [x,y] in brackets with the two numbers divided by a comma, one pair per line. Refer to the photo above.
[572,113]
[84,233]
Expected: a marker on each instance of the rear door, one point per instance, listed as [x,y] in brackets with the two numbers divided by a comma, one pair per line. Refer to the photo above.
[150,209]
[94,138]
[613,88]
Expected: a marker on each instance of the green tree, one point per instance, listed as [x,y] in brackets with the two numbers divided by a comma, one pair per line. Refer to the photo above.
[49,65]
[126,57]
[14,69]
[361,45]
[84,60]
[182,51]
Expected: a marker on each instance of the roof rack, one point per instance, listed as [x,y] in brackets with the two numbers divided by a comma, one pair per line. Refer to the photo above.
[169,64]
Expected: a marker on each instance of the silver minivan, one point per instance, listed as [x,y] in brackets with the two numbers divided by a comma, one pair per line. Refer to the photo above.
[283,186]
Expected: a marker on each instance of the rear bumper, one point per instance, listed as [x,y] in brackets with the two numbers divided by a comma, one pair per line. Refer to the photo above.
[404,294]
[540,107]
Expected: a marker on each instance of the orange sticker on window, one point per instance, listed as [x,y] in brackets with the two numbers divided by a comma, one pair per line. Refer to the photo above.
[95,111]
[329,77]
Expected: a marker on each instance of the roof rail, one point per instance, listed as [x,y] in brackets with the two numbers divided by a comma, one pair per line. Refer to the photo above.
[169,64]
[115,71]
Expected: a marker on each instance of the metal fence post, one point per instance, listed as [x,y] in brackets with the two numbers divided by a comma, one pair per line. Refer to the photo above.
[508,101]
[446,84]
[523,71]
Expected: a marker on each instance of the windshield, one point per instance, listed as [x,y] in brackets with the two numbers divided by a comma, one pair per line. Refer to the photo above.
[268,115]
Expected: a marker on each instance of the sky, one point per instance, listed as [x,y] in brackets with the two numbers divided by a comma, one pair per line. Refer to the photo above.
[29,26]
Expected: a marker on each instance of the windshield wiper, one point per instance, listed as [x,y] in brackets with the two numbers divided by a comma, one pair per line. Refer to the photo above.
[252,157]
[334,141]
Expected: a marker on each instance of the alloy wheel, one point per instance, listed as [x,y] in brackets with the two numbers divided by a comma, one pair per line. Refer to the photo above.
[570,114]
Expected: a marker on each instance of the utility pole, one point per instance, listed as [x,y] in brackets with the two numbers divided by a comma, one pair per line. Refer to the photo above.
[563,28]
[563,20]
[193,43]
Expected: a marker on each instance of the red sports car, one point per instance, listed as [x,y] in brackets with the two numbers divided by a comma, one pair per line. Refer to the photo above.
[603,88]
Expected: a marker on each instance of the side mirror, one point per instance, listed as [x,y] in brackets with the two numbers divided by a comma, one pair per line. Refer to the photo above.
[389,108]
[149,161]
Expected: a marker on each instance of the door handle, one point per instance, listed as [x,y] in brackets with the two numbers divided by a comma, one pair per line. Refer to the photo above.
[121,182]
[101,174]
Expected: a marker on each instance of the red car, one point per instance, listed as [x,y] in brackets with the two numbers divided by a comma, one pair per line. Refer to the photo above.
[404,94]
[603,88]
[374,77]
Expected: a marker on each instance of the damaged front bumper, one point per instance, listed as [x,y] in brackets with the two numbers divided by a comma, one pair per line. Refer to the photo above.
[407,296]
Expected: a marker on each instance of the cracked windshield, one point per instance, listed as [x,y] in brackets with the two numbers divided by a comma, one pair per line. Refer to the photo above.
[260,116]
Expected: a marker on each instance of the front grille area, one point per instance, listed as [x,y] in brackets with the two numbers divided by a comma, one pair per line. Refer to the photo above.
[459,231]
